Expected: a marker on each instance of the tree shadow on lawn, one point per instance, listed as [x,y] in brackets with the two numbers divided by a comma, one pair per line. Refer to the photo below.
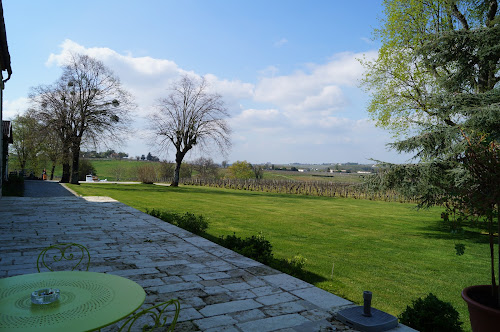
[477,232]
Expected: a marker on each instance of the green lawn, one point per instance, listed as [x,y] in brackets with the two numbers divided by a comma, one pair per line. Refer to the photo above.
[111,169]
[391,249]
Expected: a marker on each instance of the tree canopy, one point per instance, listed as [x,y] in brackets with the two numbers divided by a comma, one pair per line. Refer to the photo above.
[402,81]
[241,170]
[435,84]
[86,104]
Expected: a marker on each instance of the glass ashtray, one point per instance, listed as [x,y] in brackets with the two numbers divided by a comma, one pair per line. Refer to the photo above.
[45,296]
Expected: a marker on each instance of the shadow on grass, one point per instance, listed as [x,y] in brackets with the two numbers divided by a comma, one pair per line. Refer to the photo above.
[474,232]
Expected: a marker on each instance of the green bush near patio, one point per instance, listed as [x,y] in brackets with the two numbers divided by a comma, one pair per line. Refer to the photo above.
[351,245]
[255,247]
[188,221]
[431,314]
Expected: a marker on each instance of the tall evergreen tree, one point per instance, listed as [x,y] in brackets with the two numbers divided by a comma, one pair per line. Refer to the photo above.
[445,108]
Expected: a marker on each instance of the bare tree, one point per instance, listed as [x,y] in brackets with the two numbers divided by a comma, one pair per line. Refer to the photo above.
[258,170]
[206,167]
[190,116]
[87,104]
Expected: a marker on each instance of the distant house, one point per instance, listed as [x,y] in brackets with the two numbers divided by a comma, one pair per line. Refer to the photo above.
[4,66]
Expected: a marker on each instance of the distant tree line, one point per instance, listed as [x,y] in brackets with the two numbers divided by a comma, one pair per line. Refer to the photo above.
[105,154]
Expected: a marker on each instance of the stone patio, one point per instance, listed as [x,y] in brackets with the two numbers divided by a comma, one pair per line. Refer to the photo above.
[219,290]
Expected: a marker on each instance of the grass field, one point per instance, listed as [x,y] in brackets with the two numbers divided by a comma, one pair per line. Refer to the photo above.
[391,249]
[117,169]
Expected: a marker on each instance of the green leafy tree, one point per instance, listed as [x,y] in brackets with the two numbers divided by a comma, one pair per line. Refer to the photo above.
[401,80]
[27,141]
[52,148]
[445,108]
[241,170]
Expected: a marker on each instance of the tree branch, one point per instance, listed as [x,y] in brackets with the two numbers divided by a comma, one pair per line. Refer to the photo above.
[458,15]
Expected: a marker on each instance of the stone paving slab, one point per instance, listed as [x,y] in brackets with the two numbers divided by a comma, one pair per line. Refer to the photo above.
[219,290]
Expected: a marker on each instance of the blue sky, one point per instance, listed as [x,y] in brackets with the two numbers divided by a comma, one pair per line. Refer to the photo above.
[287,69]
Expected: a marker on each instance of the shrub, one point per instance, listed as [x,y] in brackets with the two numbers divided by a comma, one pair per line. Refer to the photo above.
[254,247]
[293,266]
[431,314]
[85,168]
[169,217]
[188,221]
[146,173]
[194,224]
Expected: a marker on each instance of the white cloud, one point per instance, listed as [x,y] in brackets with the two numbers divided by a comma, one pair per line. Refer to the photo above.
[269,71]
[317,89]
[333,139]
[148,79]
[310,97]
[302,116]
[281,42]
[328,99]
[232,91]
[258,115]
[13,107]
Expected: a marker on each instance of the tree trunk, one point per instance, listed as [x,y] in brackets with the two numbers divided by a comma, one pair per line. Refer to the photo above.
[75,149]
[175,182]
[52,171]
[492,256]
[178,161]
[66,172]
[65,162]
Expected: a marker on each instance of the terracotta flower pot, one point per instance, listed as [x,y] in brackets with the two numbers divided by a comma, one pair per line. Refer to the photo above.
[483,318]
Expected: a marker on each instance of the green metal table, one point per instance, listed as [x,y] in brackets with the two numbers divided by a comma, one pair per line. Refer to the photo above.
[88,301]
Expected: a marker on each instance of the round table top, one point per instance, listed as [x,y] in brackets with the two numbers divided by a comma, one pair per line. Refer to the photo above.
[88,301]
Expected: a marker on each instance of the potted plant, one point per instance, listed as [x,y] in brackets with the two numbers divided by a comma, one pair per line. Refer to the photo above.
[479,194]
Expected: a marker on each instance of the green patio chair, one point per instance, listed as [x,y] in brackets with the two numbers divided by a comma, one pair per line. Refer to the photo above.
[156,313]
[64,251]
